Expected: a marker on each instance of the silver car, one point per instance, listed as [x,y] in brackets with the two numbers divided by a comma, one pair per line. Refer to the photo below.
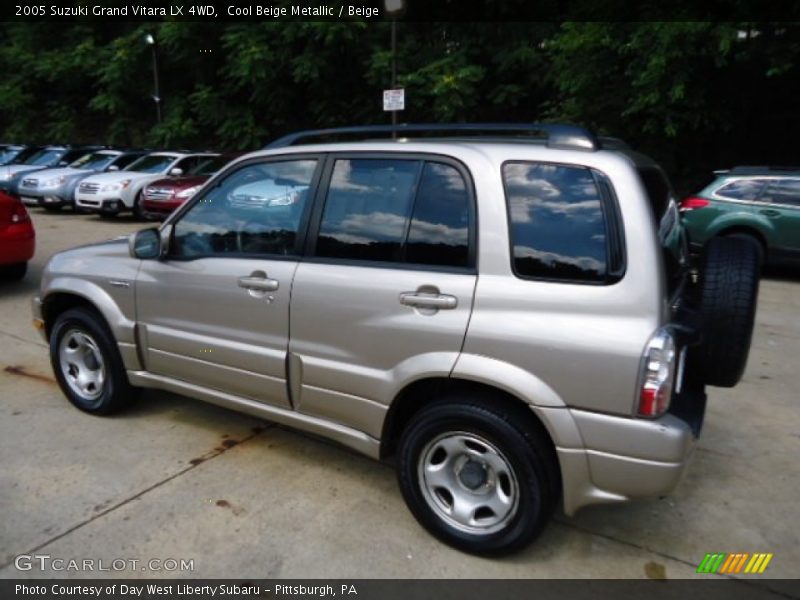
[510,321]
[55,188]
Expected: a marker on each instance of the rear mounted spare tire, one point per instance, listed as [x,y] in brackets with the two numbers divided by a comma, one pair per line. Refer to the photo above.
[728,290]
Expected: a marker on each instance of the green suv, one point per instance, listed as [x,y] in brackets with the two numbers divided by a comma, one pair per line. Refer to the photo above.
[760,202]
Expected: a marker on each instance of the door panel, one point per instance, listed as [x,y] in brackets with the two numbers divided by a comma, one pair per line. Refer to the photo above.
[215,311]
[387,294]
[202,327]
[355,336]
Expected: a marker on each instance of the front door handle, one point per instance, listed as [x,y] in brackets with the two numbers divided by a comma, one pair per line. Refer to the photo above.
[259,284]
[425,300]
[770,212]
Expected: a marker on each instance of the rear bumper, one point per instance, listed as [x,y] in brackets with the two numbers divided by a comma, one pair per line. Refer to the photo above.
[625,458]
[17,244]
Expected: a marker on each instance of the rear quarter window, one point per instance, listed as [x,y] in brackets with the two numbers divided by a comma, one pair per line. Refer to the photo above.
[743,189]
[559,226]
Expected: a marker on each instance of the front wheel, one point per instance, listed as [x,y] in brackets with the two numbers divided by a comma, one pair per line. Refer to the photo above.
[476,477]
[138,208]
[87,364]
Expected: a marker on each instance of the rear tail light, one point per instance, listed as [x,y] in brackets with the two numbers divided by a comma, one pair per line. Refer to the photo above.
[693,203]
[657,375]
[20,214]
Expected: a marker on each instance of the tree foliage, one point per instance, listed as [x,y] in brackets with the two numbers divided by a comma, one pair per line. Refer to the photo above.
[695,95]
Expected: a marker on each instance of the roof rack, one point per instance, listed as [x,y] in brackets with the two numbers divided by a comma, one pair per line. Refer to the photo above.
[761,169]
[570,137]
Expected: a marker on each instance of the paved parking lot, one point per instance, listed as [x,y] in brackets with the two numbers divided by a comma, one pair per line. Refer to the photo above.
[178,479]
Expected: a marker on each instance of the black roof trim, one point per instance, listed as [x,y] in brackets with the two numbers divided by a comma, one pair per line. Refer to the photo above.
[570,137]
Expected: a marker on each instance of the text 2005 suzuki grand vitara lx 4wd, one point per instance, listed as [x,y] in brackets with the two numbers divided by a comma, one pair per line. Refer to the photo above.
[510,319]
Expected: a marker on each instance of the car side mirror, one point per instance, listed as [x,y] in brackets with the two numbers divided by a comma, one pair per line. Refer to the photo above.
[176,172]
[113,168]
[63,163]
[145,244]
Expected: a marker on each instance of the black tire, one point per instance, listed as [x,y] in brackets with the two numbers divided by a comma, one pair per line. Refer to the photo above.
[138,209]
[728,290]
[52,207]
[528,455]
[13,272]
[115,392]
[752,239]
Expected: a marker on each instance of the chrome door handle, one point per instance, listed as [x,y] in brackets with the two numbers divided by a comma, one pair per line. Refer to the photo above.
[422,300]
[261,284]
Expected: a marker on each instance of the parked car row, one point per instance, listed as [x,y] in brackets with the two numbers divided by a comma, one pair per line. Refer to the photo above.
[105,180]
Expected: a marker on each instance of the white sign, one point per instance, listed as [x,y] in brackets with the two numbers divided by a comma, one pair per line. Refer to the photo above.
[394,99]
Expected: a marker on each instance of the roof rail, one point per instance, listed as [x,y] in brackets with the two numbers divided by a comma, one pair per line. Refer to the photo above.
[761,169]
[569,137]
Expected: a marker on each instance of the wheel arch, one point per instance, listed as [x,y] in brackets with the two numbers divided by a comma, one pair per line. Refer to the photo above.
[65,294]
[423,392]
[750,230]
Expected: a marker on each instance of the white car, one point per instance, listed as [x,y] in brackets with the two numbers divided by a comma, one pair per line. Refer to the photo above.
[112,193]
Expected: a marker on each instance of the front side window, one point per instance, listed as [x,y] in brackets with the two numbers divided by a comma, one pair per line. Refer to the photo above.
[256,210]
[783,191]
[558,228]
[743,189]
[396,210]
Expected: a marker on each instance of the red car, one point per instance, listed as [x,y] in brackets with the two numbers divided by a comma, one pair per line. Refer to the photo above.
[17,238]
[163,196]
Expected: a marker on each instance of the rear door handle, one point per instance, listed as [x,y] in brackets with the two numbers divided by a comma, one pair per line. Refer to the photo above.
[422,300]
[261,284]
[770,212]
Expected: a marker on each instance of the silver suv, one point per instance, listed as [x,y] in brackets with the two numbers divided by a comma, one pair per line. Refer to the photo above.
[507,317]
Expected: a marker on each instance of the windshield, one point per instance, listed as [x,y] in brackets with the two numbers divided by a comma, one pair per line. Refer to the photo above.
[96,161]
[45,157]
[151,164]
[210,166]
[9,154]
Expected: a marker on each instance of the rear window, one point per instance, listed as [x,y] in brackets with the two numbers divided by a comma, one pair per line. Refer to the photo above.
[559,227]
[743,189]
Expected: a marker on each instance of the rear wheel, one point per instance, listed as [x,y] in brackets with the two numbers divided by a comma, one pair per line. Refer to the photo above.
[477,477]
[52,207]
[87,364]
[728,290]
